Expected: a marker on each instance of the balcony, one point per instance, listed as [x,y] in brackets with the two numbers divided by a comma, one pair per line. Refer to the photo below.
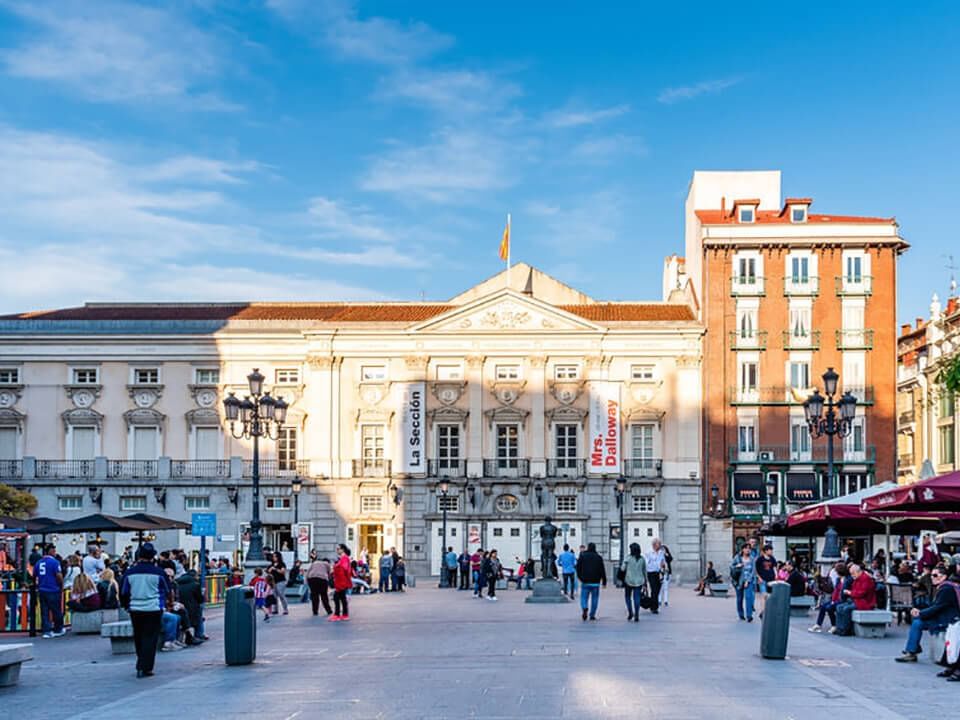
[756,340]
[746,285]
[906,417]
[905,461]
[643,467]
[506,467]
[132,469]
[374,468]
[65,469]
[785,395]
[199,469]
[12,469]
[786,455]
[801,287]
[448,467]
[566,467]
[810,341]
[276,468]
[854,339]
[849,285]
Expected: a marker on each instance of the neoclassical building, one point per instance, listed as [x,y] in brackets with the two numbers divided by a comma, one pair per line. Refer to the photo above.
[521,401]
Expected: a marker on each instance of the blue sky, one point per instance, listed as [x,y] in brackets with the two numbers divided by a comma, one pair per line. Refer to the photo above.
[312,150]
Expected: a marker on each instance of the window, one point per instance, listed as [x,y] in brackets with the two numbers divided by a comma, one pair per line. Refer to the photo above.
[83,443]
[643,504]
[799,441]
[800,270]
[146,443]
[800,375]
[566,372]
[277,503]
[854,269]
[287,448]
[8,443]
[508,372]
[947,446]
[854,374]
[146,376]
[371,503]
[507,503]
[855,442]
[508,446]
[85,376]
[373,373]
[449,372]
[498,532]
[207,445]
[70,502]
[450,503]
[196,502]
[452,531]
[747,438]
[798,214]
[371,438]
[747,324]
[448,446]
[748,377]
[746,214]
[946,405]
[747,270]
[514,532]
[641,445]
[800,322]
[287,376]
[853,317]
[9,376]
[853,482]
[567,504]
[642,373]
[207,376]
[133,503]
[566,439]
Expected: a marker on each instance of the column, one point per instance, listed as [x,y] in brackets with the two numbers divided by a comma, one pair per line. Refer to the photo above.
[538,463]
[475,422]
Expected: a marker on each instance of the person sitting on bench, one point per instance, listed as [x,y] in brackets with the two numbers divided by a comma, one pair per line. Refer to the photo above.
[710,578]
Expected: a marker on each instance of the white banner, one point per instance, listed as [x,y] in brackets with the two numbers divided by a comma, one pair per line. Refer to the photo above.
[413,449]
[604,427]
[303,540]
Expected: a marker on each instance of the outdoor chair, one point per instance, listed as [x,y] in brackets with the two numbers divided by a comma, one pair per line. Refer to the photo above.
[901,600]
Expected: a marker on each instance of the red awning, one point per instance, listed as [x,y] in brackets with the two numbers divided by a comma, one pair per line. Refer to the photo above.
[941,493]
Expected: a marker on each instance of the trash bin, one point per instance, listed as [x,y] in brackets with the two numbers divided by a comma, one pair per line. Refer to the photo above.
[776,622]
[239,626]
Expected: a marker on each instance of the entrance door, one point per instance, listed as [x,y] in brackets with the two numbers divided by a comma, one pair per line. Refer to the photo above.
[370,537]
[455,539]
[643,532]
[509,539]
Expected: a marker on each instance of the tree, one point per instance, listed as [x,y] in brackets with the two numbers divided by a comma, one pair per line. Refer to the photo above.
[949,375]
[16,502]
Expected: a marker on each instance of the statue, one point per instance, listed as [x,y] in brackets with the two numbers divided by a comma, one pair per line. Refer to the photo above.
[548,559]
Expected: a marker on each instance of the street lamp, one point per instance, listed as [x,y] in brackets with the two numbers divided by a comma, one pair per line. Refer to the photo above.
[621,491]
[715,499]
[261,416]
[444,488]
[296,485]
[830,423]
[771,492]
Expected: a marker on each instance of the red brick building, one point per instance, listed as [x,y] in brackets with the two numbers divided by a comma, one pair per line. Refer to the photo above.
[784,294]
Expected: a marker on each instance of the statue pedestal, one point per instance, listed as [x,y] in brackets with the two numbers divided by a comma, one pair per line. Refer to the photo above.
[547,590]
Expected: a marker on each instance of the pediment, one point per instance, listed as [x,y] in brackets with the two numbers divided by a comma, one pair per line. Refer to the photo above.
[506,311]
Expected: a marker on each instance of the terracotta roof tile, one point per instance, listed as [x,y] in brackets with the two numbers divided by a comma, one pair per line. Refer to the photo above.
[777,217]
[631,312]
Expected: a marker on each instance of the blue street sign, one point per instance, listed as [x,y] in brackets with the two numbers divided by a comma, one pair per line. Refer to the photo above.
[204,524]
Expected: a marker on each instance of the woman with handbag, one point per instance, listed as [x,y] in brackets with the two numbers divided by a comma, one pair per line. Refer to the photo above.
[493,572]
[633,575]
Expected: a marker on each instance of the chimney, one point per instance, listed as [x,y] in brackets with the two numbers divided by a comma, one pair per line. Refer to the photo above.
[904,329]
[723,206]
[919,323]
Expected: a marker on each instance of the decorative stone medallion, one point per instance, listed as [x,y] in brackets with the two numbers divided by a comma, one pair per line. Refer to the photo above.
[144,398]
[83,398]
[206,397]
[7,399]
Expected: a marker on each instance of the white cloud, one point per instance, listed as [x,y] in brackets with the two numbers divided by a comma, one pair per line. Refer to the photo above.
[112,52]
[572,117]
[199,169]
[672,95]
[588,220]
[381,256]
[454,164]
[450,91]
[335,219]
[605,148]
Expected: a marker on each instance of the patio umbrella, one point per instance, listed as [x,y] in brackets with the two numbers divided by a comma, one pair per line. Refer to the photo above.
[98,523]
[34,525]
[158,522]
[940,493]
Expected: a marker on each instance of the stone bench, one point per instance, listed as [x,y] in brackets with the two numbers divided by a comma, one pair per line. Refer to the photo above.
[871,623]
[11,656]
[801,606]
[936,646]
[718,589]
[121,637]
[89,623]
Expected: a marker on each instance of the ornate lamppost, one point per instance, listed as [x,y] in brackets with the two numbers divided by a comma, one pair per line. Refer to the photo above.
[260,415]
[444,488]
[621,491]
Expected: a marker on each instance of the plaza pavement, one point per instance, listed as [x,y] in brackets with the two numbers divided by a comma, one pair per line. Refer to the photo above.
[433,653]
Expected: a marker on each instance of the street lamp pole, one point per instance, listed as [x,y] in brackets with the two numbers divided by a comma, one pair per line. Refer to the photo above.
[444,574]
[621,492]
[830,423]
[260,415]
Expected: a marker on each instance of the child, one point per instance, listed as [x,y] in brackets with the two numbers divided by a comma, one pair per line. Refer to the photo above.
[261,588]
[400,571]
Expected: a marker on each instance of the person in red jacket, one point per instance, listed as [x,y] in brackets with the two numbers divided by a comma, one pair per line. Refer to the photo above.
[862,595]
[342,582]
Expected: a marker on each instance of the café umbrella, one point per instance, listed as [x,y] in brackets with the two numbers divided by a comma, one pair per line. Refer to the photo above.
[940,493]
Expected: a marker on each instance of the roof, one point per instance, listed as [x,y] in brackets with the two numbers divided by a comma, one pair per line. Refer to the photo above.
[777,217]
[331,312]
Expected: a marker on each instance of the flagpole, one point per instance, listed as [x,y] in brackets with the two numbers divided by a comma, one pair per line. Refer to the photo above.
[509,243]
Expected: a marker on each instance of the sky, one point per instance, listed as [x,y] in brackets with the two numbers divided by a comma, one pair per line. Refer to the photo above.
[328,149]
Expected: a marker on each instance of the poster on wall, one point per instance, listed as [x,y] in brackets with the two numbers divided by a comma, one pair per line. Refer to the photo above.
[303,537]
[604,427]
[473,536]
[412,450]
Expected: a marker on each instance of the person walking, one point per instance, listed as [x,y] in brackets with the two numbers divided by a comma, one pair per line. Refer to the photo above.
[492,571]
[278,571]
[49,577]
[743,575]
[766,574]
[656,564]
[386,570]
[464,562]
[342,582]
[318,579]
[451,563]
[568,569]
[592,574]
[144,595]
[664,597]
[476,567]
[634,570]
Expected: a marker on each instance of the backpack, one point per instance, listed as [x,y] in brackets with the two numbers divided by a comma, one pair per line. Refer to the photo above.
[736,571]
[825,585]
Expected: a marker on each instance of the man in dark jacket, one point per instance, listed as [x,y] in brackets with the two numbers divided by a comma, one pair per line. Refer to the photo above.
[144,595]
[592,573]
[796,579]
[944,609]
[191,597]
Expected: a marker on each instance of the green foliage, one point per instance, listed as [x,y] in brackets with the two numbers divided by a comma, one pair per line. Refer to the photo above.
[16,502]
[949,375]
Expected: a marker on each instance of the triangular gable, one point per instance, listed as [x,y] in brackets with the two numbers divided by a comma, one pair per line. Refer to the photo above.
[506,311]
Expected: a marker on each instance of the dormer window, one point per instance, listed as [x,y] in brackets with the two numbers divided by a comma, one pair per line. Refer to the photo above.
[798,213]
[746,215]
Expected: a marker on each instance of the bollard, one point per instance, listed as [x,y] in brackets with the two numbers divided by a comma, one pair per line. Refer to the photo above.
[239,626]
[776,622]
